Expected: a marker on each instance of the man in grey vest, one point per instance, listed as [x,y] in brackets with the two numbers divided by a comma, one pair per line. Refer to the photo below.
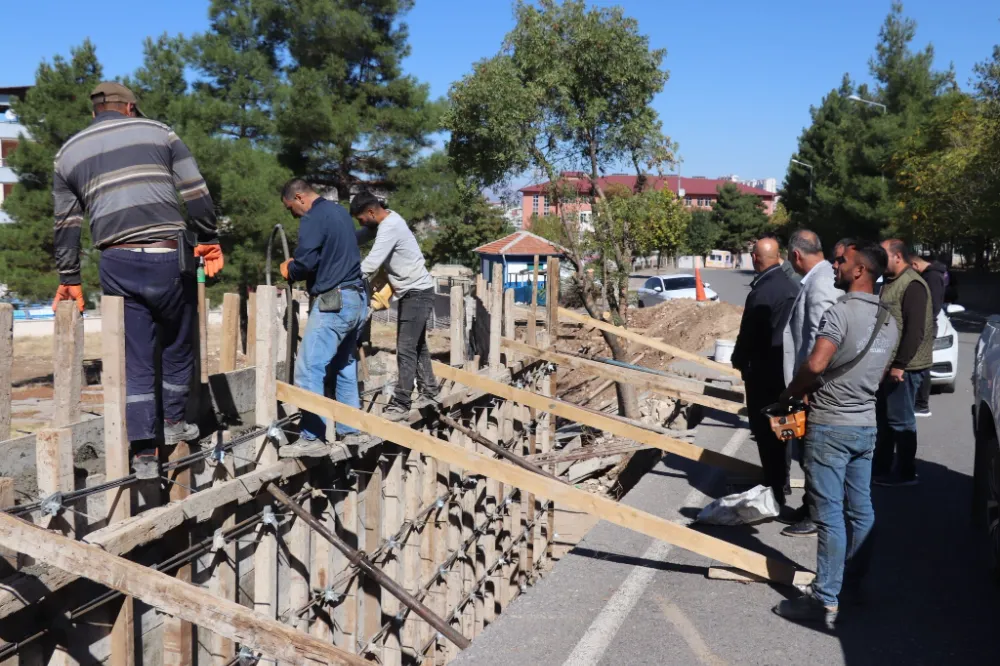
[909,300]
[817,294]
[854,343]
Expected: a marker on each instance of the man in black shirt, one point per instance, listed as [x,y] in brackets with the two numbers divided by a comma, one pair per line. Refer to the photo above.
[329,260]
[933,273]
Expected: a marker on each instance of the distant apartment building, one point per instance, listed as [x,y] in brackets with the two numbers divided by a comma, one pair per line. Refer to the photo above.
[766,184]
[10,130]
[696,193]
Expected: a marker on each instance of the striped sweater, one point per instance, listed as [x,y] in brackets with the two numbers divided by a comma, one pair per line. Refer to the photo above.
[124,174]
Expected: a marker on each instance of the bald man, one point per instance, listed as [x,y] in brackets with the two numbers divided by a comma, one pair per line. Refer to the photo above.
[758,356]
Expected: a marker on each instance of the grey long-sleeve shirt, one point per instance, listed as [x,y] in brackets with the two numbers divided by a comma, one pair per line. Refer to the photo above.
[397,249]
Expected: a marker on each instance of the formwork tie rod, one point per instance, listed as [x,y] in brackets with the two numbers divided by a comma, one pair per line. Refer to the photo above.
[497,449]
[358,559]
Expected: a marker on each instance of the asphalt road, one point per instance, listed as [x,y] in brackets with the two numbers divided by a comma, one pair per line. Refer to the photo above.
[621,598]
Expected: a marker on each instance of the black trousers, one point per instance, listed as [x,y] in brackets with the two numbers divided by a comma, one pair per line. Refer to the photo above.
[159,303]
[413,356]
[923,401]
[774,453]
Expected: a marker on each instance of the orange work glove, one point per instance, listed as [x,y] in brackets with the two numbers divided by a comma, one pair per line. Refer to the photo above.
[213,257]
[284,268]
[69,292]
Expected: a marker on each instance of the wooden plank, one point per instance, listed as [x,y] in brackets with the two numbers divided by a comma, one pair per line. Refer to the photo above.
[598,420]
[320,575]
[178,634]
[251,350]
[413,490]
[265,557]
[428,496]
[533,315]
[552,292]
[607,509]
[733,574]
[453,576]
[371,616]
[678,389]
[391,519]
[171,596]
[116,451]
[478,513]
[659,345]
[508,326]
[6,365]
[457,325]
[67,365]
[496,316]
[230,332]
[346,613]
[298,570]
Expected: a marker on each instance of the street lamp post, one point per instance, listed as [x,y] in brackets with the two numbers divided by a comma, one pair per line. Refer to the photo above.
[855,98]
[810,167]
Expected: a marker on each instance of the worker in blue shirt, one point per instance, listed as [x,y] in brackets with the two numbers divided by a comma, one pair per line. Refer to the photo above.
[328,259]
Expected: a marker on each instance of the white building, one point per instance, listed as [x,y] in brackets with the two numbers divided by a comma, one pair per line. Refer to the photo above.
[10,131]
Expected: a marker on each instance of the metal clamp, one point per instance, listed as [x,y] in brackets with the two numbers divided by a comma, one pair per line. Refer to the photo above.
[246,656]
[276,435]
[331,596]
[52,505]
[269,517]
[218,541]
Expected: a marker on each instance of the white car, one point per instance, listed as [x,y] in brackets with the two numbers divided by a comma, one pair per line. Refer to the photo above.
[945,366]
[661,288]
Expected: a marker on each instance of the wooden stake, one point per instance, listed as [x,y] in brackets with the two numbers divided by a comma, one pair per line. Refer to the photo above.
[648,341]
[224,577]
[533,317]
[8,557]
[116,450]
[508,326]
[67,366]
[597,420]
[54,468]
[413,488]
[345,615]
[230,332]
[6,363]
[298,570]
[496,316]
[457,325]
[392,509]
[683,537]
[265,558]
[251,352]
[171,596]
[552,299]
[178,634]
[372,597]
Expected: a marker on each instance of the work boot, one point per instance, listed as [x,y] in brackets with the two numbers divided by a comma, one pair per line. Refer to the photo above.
[181,431]
[394,411]
[804,528]
[896,481]
[428,400]
[807,608]
[358,439]
[305,448]
[146,465]
[790,516]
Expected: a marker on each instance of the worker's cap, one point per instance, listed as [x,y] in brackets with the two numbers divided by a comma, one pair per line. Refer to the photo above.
[110,91]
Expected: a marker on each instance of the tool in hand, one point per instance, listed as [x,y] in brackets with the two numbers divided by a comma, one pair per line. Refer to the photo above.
[788,420]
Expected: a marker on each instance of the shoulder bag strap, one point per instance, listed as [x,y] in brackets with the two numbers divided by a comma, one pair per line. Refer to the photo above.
[841,370]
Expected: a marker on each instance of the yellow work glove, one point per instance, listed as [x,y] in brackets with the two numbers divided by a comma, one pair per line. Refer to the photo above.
[381,292]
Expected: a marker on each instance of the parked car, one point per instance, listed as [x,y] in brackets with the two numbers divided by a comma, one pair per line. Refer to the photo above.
[667,287]
[945,367]
[985,410]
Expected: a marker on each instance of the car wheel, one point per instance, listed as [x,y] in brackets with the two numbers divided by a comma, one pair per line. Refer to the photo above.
[987,482]
[641,304]
[948,388]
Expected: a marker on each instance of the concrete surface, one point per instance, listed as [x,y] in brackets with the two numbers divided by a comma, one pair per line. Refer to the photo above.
[620,598]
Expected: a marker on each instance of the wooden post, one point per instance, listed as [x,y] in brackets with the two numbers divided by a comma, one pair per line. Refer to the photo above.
[116,450]
[457,326]
[392,509]
[533,317]
[224,578]
[265,558]
[478,518]
[549,385]
[230,332]
[489,504]
[345,615]
[372,597]
[552,299]
[178,634]
[454,576]
[413,488]
[442,528]
[428,495]
[298,574]
[508,325]
[67,366]
[8,558]
[6,362]
[54,469]
[251,352]
[319,568]
[496,316]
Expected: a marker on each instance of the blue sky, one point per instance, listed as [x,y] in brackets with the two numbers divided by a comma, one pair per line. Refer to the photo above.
[742,74]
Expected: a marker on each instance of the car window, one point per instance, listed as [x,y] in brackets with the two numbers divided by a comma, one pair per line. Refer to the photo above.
[679,283]
[652,283]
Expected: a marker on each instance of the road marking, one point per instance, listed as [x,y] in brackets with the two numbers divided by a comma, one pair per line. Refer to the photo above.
[690,634]
[602,630]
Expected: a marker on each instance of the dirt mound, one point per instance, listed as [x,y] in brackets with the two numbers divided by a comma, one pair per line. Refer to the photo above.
[688,324]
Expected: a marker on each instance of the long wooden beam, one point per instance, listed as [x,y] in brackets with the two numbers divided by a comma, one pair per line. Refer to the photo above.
[679,389]
[607,509]
[597,420]
[648,341]
[23,590]
[172,596]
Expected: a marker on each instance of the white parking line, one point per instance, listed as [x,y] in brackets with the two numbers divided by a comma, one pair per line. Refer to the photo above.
[600,633]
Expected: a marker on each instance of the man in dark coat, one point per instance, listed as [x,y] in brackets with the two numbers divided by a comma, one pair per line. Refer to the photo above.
[759,357]
[933,273]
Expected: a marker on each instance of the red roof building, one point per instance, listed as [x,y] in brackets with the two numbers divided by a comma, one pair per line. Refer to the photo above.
[697,193]
[516,254]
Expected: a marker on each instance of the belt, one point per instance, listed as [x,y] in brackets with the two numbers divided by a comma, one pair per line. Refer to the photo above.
[164,244]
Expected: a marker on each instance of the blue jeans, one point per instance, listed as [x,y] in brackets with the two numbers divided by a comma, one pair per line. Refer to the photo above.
[897,420]
[328,347]
[838,466]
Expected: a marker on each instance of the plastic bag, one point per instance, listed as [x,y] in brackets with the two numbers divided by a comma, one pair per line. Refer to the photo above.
[755,504]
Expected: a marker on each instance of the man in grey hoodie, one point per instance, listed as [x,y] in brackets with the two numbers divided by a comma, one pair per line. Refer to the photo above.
[396,249]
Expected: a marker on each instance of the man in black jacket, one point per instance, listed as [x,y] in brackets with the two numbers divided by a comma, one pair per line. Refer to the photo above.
[758,356]
[933,273]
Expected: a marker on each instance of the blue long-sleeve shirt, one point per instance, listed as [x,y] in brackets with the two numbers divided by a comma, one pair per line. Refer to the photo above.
[327,255]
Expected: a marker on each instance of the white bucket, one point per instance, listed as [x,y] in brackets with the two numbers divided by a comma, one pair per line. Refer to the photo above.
[724,351]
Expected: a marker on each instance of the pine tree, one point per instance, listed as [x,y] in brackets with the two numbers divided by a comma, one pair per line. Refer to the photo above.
[740,217]
[348,114]
[56,108]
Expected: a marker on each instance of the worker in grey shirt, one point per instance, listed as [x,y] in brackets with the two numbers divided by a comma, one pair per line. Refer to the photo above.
[841,377]
[396,249]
